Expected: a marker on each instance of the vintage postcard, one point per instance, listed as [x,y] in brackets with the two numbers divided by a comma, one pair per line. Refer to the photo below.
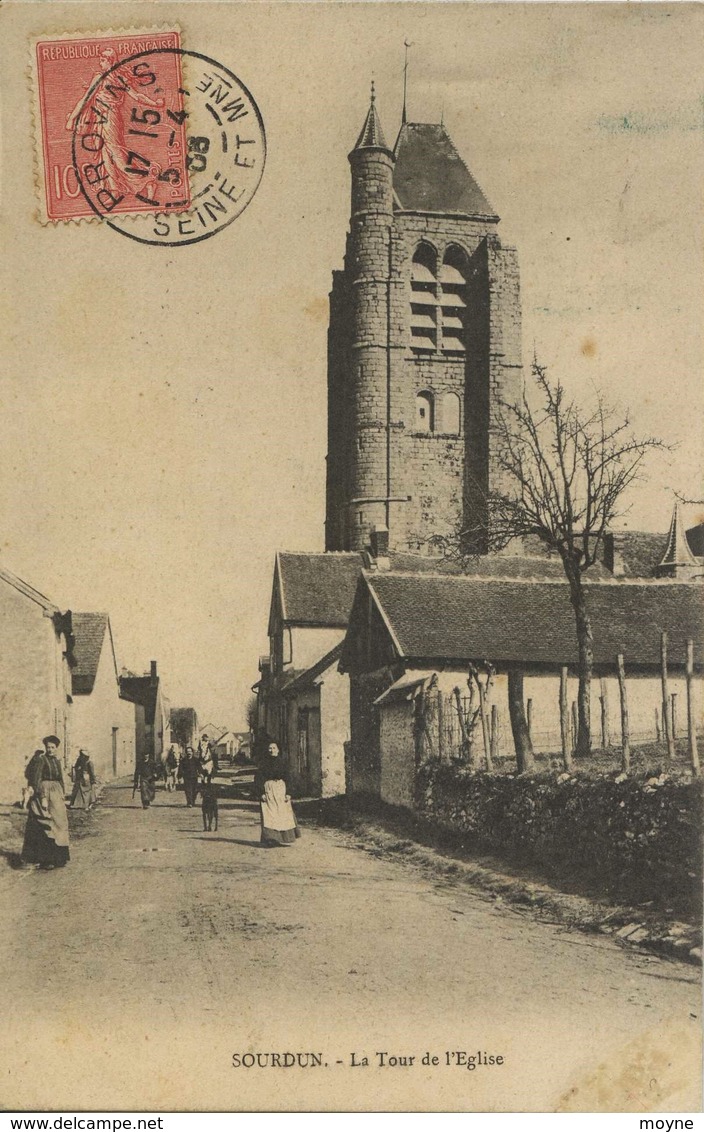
[352,557]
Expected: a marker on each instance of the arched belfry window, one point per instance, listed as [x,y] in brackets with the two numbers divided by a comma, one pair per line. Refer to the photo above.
[450,414]
[424,303]
[453,301]
[439,301]
[425,414]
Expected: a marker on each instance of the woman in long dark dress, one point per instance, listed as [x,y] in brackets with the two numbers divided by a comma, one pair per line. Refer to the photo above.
[83,796]
[279,826]
[46,832]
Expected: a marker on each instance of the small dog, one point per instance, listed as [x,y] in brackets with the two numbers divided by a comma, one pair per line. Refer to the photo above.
[210,806]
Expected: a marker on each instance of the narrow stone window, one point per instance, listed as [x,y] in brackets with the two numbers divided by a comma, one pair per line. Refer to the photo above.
[424,412]
[450,414]
[424,300]
[453,301]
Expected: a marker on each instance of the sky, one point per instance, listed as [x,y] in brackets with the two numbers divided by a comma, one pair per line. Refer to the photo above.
[164,410]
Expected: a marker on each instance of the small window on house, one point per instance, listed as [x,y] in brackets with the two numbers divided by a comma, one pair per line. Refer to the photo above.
[424,412]
[450,413]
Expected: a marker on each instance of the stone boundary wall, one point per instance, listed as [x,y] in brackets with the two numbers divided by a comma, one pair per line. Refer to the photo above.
[635,839]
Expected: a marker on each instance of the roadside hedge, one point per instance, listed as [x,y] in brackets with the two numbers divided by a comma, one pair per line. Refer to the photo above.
[635,839]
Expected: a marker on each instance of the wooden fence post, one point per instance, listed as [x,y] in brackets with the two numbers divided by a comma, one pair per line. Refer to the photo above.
[673,704]
[465,739]
[441,728]
[604,701]
[625,730]
[529,718]
[691,723]
[485,726]
[564,721]
[658,732]
[494,731]
[667,730]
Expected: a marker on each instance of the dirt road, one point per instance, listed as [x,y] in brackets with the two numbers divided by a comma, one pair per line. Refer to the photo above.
[136,973]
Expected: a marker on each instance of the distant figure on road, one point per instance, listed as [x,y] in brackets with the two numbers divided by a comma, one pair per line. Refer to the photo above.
[83,796]
[188,773]
[171,768]
[46,832]
[145,779]
[279,826]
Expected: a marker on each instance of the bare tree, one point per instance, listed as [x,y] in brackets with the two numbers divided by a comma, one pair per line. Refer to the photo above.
[563,473]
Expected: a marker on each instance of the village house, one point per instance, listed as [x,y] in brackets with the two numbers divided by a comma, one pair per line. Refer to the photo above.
[146,691]
[303,699]
[35,678]
[413,635]
[103,721]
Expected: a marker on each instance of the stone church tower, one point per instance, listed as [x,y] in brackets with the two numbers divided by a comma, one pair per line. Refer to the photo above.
[424,342]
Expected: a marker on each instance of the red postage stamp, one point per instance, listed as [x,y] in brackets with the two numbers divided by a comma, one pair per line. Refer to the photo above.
[113,124]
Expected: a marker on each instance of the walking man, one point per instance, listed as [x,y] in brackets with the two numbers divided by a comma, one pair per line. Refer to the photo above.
[188,773]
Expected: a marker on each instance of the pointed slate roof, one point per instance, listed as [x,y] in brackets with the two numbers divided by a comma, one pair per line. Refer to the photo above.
[372,135]
[430,175]
[677,551]
[89,631]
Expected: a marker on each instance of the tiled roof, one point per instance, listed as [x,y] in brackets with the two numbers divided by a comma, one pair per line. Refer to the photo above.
[430,175]
[695,538]
[640,552]
[317,589]
[89,632]
[460,618]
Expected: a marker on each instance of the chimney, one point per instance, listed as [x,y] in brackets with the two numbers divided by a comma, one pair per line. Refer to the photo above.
[152,672]
[613,554]
[379,540]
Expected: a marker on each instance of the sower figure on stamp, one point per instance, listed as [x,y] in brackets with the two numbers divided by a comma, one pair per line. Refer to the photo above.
[112,123]
[46,833]
[145,780]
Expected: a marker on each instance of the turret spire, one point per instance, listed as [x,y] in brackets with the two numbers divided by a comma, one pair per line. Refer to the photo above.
[372,135]
[677,553]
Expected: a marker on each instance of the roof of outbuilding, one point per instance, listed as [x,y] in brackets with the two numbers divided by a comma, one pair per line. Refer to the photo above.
[461,618]
[430,175]
[89,632]
[318,589]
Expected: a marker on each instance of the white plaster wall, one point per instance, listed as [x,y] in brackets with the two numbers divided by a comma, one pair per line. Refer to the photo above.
[334,730]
